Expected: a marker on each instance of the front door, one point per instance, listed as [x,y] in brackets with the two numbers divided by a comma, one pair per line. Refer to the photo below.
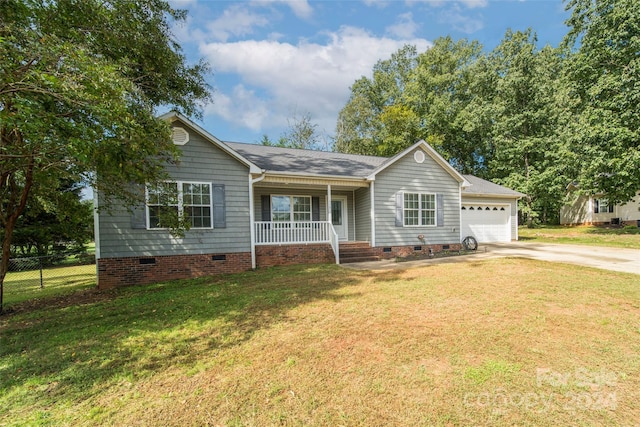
[339,216]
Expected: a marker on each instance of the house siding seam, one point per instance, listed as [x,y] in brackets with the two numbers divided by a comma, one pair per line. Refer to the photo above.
[363,215]
[406,175]
[201,161]
[118,272]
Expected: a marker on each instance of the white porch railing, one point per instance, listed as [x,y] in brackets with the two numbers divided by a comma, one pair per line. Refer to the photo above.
[335,243]
[283,233]
[269,233]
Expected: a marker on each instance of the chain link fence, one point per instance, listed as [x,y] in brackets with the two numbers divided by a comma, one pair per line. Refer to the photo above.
[31,276]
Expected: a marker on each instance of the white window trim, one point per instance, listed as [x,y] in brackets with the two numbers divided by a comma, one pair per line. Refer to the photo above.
[420,210]
[600,201]
[180,205]
[291,212]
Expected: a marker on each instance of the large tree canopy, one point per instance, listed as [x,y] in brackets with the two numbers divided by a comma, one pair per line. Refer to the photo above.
[526,117]
[604,77]
[79,84]
[535,119]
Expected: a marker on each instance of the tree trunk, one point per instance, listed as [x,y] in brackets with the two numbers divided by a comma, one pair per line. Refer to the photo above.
[6,253]
[14,209]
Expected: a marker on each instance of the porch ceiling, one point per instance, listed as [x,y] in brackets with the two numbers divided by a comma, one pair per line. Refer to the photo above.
[311,183]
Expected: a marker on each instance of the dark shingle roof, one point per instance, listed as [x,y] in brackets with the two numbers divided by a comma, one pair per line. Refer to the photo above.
[278,159]
[293,160]
[482,186]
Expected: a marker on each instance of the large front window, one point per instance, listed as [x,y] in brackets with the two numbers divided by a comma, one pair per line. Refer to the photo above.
[419,209]
[288,208]
[168,201]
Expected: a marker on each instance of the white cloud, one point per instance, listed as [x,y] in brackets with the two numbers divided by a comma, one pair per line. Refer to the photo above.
[242,106]
[301,8]
[303,77]
[461,22]
[236,20]
[473,4]
[381,4]
[404,28]
[470,4]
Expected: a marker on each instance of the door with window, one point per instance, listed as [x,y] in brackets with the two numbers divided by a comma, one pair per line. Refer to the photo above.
[339,216]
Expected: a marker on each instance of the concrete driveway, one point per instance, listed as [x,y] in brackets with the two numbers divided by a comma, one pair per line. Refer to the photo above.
[624,260]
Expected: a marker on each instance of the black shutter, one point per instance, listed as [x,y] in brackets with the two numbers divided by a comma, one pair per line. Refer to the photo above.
[266,207]
[139,217]
[315,209]
[439,210]
[399,209]
[596,206]
[219,210]
[139,212]
[610,207]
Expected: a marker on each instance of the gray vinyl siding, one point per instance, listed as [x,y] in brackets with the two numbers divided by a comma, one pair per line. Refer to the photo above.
[201,161]
[513,203]
[258,192]
[363,214]
[407,175]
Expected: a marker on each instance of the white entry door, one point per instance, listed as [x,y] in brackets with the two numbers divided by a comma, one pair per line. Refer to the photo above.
[339,217]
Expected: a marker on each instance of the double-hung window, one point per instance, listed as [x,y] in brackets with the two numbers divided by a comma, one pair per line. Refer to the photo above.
[290,208]
[419,209]
[602,206]
[168,201]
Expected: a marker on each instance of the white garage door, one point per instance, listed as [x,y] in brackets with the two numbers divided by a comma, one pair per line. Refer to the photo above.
[487,223]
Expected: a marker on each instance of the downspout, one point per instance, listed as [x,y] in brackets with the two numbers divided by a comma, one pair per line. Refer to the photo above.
[252,225]
[96,232]
[372,213]
[460,237]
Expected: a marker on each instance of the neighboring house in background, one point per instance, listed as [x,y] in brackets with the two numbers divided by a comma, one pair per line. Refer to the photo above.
[596,210]
[256,206]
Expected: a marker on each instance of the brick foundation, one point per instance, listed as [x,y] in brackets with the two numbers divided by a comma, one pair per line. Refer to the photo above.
[116,272]
[268,256]
[407,251]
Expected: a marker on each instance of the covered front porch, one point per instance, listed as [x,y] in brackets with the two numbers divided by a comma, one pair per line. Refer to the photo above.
[294,211]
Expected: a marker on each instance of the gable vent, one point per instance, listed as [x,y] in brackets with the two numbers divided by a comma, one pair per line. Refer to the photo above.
[180,136]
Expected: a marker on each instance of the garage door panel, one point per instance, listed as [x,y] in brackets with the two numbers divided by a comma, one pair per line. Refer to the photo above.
[486,225]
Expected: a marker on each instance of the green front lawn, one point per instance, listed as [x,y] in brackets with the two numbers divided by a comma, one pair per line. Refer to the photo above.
[620,237]
[497,342]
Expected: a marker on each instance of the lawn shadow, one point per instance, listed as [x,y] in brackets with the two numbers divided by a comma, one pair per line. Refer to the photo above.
[85,340]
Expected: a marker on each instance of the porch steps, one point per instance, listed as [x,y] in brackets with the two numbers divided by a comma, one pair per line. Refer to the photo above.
[357,252]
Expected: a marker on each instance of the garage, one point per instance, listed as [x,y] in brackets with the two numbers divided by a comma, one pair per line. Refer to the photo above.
[487,223]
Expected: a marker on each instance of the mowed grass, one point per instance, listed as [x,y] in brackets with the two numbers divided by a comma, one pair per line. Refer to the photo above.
[620,237]
[26,285]
[497,342]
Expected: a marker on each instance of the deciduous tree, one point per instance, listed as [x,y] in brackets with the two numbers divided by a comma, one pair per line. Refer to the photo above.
[604,77]
[79,84]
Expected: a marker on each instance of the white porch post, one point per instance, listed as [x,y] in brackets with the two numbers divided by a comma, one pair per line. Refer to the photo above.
[252,226]
[252,219]
[329,203]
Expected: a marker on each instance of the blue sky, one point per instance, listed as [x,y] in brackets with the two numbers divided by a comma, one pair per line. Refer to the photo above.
[278,59]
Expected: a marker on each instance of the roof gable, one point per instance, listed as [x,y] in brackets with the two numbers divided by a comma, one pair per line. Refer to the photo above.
[428,151]
[174,116]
